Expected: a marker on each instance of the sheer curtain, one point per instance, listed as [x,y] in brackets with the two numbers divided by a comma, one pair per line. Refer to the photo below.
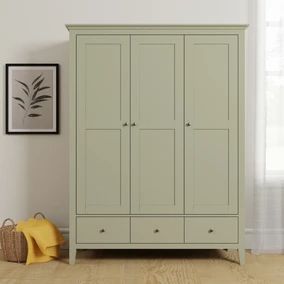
[269,128]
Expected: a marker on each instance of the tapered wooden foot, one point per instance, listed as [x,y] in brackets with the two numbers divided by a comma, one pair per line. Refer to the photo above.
[242,256]
[72,256]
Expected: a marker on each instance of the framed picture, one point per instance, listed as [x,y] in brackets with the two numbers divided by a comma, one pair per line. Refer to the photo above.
[32,99]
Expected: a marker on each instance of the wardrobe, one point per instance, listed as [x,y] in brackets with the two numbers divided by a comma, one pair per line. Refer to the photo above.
[156,137]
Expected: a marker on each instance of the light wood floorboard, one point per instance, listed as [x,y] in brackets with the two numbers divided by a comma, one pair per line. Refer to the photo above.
[149,267]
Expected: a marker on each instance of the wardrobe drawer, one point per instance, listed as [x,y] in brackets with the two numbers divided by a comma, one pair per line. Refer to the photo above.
[103,230]
[157,230]
[211,230]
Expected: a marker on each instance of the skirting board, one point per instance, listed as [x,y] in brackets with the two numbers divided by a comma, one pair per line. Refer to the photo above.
[65,233]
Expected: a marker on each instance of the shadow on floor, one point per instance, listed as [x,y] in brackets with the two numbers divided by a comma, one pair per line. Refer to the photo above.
[230,255]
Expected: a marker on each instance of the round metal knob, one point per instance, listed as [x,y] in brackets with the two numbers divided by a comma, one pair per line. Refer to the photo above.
[188,124]
[125,124]
[102,230]
[210,231]
[156,231]
[133,124]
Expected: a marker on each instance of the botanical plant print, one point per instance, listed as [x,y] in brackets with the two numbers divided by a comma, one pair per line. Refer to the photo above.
[33,97]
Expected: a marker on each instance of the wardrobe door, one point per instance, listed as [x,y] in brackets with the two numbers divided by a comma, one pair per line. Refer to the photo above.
[103,124]
[157,124]
[211,124]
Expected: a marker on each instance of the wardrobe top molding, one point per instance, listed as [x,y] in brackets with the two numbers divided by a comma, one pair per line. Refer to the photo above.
[154,29]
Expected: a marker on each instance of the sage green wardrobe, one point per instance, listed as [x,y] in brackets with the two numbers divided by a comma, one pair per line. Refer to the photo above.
[156,137]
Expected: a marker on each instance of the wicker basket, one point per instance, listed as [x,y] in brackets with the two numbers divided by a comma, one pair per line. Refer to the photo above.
[13,243]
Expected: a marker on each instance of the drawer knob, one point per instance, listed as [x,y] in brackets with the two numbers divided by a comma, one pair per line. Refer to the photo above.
[133,124]
[102,230]
[125,124]
[188,124]
[156,231]
[210,231]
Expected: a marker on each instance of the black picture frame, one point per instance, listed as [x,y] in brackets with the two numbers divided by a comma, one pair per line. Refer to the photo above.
[9,68]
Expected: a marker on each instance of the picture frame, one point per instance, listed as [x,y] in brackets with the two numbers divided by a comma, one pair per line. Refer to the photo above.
[32,98]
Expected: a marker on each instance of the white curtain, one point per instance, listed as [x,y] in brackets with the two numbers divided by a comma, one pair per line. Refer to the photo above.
[268,150]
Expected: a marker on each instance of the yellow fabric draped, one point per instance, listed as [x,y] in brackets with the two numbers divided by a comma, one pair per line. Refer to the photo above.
[43,239]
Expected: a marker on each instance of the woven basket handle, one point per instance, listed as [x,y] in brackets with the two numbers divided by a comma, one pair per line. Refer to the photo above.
[39,214]
[10,220]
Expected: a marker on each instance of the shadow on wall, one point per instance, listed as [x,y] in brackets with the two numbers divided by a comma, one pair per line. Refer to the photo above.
[43,160]
[48,188]
[57,53]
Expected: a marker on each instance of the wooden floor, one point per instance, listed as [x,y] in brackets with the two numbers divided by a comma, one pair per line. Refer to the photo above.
[149,266]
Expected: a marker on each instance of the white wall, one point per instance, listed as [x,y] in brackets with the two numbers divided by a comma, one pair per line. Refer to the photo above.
[34,169]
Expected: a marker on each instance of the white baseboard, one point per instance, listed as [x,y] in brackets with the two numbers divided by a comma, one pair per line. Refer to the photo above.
[248,238]
[65,233]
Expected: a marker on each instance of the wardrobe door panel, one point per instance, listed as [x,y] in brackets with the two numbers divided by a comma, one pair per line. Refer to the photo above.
[102,111]
[157,124]
[211,124]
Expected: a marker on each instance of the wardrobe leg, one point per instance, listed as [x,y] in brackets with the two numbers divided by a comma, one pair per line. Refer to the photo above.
[72,255]
[242,256]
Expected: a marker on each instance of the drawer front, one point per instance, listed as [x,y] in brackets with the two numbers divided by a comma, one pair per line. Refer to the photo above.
[154,230]
[211,230]
[103,230]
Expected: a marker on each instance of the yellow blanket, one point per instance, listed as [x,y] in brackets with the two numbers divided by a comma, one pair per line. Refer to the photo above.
[43,239]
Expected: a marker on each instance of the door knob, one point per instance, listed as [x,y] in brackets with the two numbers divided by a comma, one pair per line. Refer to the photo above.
[133,124]
[125,124]
[210,231]
[188,124]
[156,231]
[102,230]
